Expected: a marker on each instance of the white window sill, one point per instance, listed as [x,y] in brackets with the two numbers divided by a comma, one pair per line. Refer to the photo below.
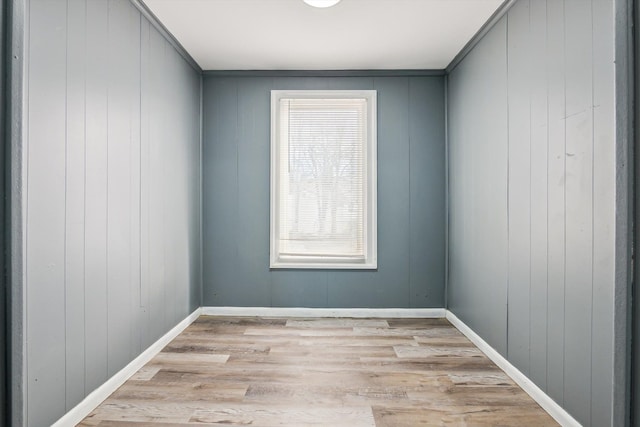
[323,265]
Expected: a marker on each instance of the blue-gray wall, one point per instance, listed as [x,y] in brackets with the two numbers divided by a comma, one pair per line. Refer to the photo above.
[112,193]
[531,121]
[411,195]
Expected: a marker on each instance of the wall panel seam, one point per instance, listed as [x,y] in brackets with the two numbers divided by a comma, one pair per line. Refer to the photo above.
[409,288]
[564,188]
[66,142]
[508,199]
[546,37]
[593,179]
[84,219]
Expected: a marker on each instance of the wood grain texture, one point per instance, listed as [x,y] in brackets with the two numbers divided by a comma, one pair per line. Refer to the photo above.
[337,372]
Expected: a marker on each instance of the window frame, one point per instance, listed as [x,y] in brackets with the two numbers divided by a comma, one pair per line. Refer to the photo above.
[370,261]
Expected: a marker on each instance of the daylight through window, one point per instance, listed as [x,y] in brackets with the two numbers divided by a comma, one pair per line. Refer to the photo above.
[323,183]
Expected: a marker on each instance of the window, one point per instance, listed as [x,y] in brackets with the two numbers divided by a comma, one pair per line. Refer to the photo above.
[323,179]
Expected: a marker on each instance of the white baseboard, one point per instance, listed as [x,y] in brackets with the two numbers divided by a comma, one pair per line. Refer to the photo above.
[548,404]
[96,397]
[325,312]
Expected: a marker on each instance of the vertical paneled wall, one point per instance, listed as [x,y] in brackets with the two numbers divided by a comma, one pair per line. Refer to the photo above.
[113,196]
[532,187]
[411,198]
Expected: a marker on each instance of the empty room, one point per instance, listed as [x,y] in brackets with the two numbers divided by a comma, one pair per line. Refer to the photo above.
[319,212]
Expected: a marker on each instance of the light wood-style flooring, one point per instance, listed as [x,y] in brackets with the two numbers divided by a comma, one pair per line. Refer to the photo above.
[238,371]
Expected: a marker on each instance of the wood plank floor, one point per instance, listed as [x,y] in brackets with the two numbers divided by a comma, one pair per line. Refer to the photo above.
[320,372]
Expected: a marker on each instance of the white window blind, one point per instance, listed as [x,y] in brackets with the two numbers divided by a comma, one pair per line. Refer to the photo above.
[322,198]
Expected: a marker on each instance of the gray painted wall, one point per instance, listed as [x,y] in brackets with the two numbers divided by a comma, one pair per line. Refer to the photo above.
[112,196]
[4,253]
[532,184]
[411,195]
[635,339]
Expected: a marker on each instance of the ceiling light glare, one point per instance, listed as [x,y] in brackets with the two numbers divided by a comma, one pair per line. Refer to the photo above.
[322,3]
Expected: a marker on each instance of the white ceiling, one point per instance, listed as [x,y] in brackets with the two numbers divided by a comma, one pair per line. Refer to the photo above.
[354,34]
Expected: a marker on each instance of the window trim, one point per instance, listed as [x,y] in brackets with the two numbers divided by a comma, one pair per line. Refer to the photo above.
[370,259]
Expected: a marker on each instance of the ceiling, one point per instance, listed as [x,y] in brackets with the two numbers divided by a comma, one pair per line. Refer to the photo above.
[354,34]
